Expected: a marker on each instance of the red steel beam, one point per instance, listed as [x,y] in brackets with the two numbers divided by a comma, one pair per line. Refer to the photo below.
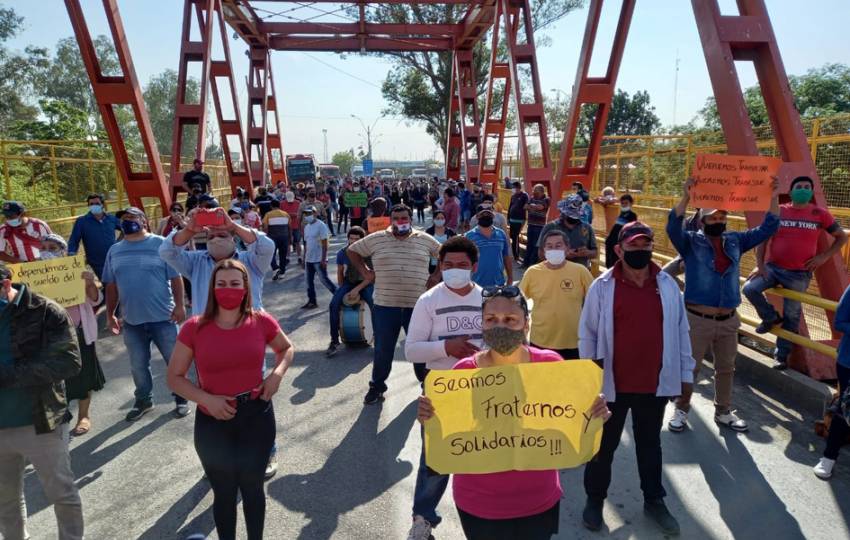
[429,2]
[750,36]
[373,29]
[495,114]
[124,89]
[454,137]
[191,114]
[467,95]
[257,106]
[475,23]
[223,83]
[355,43]
[592,90]
[274,142]
[528,101]
[244,20]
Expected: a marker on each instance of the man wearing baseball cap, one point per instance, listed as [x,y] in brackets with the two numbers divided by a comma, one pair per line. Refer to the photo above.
[634,322]
[712,257]
[582,248]
[495,258]
[20,235]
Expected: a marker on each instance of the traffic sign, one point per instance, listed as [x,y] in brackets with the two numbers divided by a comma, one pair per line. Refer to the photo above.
[367,167]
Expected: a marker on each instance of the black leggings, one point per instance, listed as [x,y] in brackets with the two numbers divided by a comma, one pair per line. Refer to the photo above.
[420,211]
[537,527]
[234,454]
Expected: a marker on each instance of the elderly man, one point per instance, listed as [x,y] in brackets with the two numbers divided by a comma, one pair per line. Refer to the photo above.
[582,240]
[221,244]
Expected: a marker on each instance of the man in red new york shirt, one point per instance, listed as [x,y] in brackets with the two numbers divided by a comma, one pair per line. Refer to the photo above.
[789,258]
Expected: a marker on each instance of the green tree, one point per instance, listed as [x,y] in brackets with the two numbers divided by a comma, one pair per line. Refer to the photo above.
[820,91]
[59,120]
[345,161]
[17,74]
[418,83]
[160,96]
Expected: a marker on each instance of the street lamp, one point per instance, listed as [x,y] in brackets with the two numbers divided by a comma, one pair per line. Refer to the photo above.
[368,131]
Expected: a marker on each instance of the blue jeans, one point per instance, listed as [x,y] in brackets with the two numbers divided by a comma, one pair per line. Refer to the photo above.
[312,270]
[336,302]
[794,280]
[387,323]
[532,234]
[138,339]
[430,487]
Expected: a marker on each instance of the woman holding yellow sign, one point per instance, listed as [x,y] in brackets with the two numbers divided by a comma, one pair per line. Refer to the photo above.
[510,504]
[90,378]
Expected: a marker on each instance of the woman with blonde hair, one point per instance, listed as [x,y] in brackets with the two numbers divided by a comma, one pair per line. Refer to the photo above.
[235,424]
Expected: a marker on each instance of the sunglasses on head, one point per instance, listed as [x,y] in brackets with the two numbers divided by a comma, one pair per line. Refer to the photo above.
[505,291]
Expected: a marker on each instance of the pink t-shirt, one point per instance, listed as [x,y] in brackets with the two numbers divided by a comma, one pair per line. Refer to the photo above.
[509,494]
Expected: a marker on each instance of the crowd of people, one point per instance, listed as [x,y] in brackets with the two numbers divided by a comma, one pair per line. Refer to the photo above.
[192,285]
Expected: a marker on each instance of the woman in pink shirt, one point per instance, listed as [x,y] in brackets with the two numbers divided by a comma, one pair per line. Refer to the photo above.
[511,504]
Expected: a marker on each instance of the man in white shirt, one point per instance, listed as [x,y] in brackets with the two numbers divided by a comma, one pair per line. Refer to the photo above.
[316,235]
[445,327]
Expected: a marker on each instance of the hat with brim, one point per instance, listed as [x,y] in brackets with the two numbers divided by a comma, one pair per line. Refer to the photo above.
[705,212]
[634,230]
[13,208]
[571,207]
[131,210]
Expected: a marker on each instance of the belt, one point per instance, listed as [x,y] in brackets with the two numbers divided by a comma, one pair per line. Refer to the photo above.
[717,318]
[245,397]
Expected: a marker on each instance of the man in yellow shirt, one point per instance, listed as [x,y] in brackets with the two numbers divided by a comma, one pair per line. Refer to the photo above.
[557,288]
[276,226]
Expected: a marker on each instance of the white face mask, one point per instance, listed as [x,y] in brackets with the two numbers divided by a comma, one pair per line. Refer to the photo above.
[457,278]
[555,256]
[220,247]
[439,222]
[290,196]
[310,219]
[237,221]
[45,255]
[625,209]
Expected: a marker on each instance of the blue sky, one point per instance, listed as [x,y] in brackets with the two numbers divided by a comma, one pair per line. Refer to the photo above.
[315,94]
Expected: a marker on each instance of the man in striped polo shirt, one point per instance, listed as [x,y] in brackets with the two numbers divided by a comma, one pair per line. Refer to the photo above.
[400,259]
[20,235]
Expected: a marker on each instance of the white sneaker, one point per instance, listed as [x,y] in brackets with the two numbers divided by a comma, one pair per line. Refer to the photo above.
[823,469]
[182,410]
[420,530]
[271,467]
[679,421]
[731,421]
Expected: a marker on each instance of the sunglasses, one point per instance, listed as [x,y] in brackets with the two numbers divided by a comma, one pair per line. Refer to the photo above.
[505,291]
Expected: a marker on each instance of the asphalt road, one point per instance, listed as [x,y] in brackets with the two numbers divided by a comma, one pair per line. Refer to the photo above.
[348,471]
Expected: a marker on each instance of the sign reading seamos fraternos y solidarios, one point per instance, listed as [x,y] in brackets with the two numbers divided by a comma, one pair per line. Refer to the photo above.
[520,417]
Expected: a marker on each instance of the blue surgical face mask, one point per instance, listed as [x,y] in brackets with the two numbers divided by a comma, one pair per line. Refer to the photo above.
[96,209]
[14,222]
[130,227]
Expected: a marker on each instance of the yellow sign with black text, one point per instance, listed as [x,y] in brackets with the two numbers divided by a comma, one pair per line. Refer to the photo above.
[60,279]
[523,417]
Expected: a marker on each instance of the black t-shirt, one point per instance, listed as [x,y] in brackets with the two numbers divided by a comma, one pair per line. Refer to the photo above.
[194,178]
[516,210]
[264,204]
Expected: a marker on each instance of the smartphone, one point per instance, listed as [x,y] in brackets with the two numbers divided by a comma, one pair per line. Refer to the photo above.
[209,218]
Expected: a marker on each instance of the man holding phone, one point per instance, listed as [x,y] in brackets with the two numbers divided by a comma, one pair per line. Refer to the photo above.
[221,244]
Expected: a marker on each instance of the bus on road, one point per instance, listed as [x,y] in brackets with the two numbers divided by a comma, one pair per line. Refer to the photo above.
[301,168]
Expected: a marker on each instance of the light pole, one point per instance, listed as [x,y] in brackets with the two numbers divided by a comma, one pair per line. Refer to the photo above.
[325,136]
[368,131]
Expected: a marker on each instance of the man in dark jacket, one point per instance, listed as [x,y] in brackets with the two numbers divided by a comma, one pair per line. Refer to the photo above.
[38,351]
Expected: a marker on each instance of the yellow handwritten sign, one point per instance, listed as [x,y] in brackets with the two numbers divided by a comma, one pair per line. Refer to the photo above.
[522,417]
[60,279]
[741,183]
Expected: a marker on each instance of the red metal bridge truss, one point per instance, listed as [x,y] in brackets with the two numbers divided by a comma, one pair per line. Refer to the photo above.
[474,140]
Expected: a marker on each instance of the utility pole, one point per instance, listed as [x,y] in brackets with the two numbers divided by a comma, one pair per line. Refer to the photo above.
[325,136]
[368,130]
[675,86]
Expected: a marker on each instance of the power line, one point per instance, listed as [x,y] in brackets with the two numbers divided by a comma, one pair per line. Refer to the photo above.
[333,67]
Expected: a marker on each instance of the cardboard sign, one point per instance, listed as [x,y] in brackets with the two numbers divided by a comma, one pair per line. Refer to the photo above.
[60,279]
[357,199]
[375,224]
[737,183]
[522,417]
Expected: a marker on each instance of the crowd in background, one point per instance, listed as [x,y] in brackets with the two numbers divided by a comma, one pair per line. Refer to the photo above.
[192,283]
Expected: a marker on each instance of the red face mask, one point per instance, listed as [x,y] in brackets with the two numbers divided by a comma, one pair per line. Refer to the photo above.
[229,297]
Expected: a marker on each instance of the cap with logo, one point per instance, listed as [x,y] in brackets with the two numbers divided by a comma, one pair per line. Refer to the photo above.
[571,207]
[131,210]
[634,230]
[13,208]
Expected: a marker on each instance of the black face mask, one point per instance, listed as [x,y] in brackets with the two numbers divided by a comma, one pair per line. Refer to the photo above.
[714,229]
[637,259]
[485,221]
[572,221]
